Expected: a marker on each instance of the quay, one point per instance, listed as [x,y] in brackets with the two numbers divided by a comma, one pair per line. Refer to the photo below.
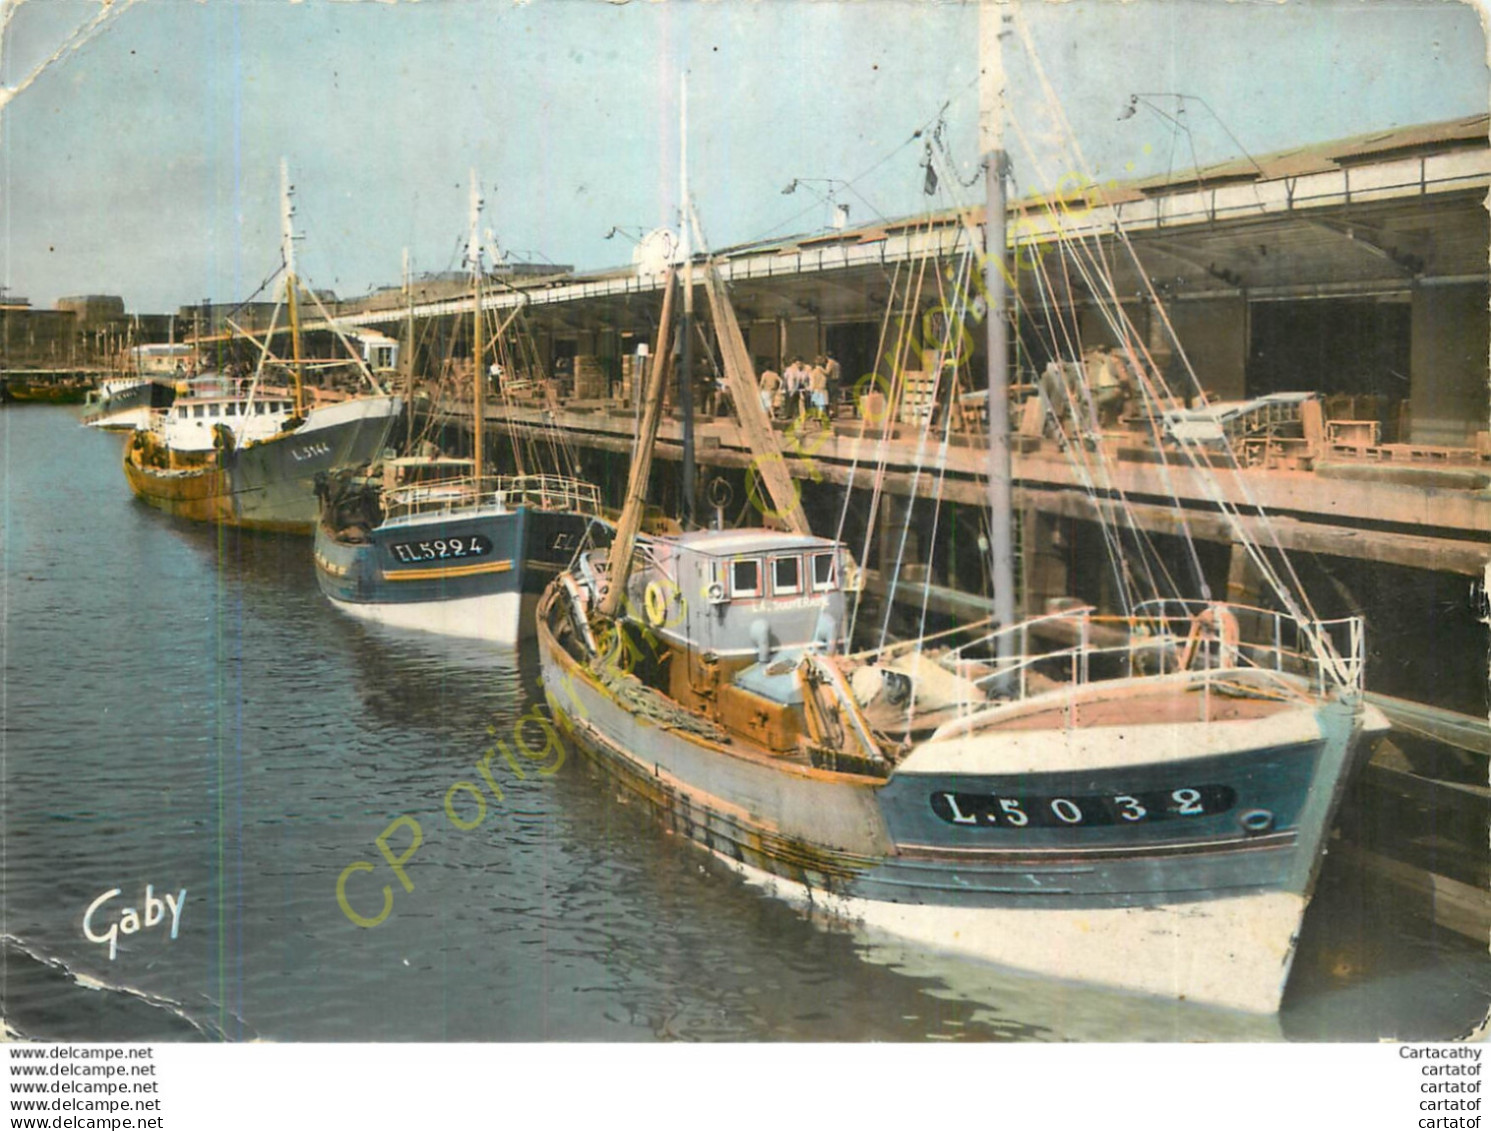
[1402,505]
[1353,270]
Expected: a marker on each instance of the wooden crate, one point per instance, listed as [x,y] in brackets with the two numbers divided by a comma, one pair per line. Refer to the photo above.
[590,378]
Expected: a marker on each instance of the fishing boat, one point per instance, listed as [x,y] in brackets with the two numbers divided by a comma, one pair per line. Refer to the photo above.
[124,404]
[229,453]
[1155,832]
[39,386]
[430,547]
[240,453]
[439,545]
[135,398]
[1139,800]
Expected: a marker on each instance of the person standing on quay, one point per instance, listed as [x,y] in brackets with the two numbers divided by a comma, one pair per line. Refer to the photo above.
[771,385]
[835,374]
[794,379]
[818,391]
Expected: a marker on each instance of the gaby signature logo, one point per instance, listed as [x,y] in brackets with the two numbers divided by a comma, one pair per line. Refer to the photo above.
[129,920]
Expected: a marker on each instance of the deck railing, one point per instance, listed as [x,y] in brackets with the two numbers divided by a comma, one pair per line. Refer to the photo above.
[1167,636]
[550,493]
[446,496]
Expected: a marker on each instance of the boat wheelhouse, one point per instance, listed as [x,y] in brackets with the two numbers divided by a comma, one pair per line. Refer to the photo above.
[751,589]
[192,423]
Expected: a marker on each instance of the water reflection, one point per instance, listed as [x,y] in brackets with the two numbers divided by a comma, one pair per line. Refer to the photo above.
[414,679]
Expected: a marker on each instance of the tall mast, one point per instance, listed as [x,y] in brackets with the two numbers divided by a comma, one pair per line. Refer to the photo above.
[993,16]
[630,523]
[478,400]
[408,359]
[292,284]
[686,326]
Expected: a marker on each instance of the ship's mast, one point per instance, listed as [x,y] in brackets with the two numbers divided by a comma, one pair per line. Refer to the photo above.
[630,523]
[292,285]
[478,400]
[686,325]
[993,17]
[408,359]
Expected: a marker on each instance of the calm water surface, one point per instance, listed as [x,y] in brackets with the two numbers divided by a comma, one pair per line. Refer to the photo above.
[182,709]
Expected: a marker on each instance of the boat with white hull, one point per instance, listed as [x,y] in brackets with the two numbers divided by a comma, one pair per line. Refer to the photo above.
[439,545]
[124,404]
[438,557]
[1159,833]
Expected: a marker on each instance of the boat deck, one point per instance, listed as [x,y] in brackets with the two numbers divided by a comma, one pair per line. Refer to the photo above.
[1198,702]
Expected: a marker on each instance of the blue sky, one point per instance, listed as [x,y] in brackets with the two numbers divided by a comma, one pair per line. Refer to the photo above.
[145,163]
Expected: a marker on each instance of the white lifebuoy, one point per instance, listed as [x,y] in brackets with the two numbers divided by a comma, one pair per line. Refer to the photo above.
[656,603]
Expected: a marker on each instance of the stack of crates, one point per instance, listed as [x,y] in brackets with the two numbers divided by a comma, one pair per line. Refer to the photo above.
[590,378]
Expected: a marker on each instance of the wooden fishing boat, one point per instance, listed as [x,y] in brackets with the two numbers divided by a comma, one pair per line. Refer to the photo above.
[439,545]
[1157,832]
[240,454]
[40,387]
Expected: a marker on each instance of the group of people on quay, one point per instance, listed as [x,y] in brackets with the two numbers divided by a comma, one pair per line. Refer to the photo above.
[801,390]
[1093,393]
[1097,390]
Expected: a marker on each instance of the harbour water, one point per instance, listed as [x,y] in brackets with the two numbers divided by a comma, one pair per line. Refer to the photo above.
[181,709]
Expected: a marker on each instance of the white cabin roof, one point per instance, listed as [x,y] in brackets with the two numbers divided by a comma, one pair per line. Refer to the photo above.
[729,543]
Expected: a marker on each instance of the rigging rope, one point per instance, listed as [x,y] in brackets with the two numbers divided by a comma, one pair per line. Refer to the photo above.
[1291,593]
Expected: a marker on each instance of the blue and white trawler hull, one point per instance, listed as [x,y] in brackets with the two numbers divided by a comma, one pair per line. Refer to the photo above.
[1170,851]
[1173,858]
[474,574]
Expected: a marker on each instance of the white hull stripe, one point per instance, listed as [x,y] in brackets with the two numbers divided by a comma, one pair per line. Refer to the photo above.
[1284,840]
[494,617]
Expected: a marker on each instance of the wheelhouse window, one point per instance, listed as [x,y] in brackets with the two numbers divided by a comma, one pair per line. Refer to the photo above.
[745,577]
[181,412]
[215,410]
[258,408]
[230,409]
[825,572]
[786,576]
[197,410]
